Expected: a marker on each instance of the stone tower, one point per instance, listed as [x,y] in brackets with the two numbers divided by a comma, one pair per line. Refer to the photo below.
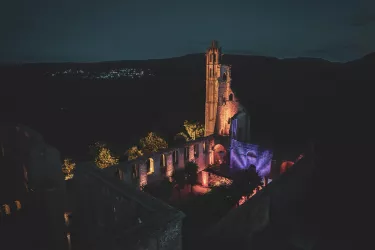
[221,104]
[213,55]
[227,103]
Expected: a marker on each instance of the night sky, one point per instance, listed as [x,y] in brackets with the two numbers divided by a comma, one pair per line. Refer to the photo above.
[100,30]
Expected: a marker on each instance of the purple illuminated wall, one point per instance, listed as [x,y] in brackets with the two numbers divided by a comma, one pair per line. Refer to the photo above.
[242,155]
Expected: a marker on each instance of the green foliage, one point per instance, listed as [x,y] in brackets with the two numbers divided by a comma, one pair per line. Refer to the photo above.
[152,143]
[103,156]
[192,130]
[133,153]
[149,144]
[191,171]
[68,169]
[95,148]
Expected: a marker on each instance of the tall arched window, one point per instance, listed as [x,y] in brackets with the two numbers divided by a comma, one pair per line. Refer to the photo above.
[6,209]
[231,97]
[150,166]
[18,205]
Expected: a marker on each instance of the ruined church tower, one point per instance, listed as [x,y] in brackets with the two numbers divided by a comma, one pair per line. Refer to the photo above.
[221,103]
[212,73]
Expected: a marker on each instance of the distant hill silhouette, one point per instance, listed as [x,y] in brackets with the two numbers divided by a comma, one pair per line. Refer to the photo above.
[289,99]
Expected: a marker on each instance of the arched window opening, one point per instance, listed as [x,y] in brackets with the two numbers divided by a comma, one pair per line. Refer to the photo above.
[175,157]
[163,164]
[6,208]
[196,150]
[231,97]
[220,154]
[67,216]
[18,205]
[25,175]
[225,76]
[186,154]
[150,166]
[119,174]
[135,171]
[162,160]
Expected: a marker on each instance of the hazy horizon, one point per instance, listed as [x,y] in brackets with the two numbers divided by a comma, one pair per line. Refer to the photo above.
[161,58]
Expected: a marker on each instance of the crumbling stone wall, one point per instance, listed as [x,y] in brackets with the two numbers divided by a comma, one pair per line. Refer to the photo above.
[242,155]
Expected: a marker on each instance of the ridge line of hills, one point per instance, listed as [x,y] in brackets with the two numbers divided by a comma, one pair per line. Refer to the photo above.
[369,56]
[288,98]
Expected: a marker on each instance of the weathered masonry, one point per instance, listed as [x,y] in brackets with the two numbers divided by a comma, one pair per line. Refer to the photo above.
[113,215]
[156,166]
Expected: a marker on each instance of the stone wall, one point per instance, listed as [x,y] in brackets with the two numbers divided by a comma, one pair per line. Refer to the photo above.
[227,102]
[33,184]
[199,151]
[275,207]
[109,214]
[240,126]
[225,112]
[242,155]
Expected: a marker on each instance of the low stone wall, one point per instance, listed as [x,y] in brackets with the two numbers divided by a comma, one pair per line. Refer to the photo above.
[164,162]
[270,206]
[114,215]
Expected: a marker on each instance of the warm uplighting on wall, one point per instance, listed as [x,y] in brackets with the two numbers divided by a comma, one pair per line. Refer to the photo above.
[285,166]
[142,176]
[150,166]
[69,241]
[204,178]
[25,175]
[18,205]
[66,218]
[6,209]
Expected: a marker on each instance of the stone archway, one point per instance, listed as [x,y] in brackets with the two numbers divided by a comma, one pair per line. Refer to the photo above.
[220,154]
[225,76]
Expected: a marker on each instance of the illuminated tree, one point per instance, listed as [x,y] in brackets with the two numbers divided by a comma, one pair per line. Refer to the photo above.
[95,148]
[192,130]
[68,168]
[103,155]
[152,143]
[133,153]
[191,170]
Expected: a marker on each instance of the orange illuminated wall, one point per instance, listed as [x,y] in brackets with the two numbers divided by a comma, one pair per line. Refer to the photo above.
[227,102]
[285,165]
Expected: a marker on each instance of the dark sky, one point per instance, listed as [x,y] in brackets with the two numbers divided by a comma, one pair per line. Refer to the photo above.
[99,30]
